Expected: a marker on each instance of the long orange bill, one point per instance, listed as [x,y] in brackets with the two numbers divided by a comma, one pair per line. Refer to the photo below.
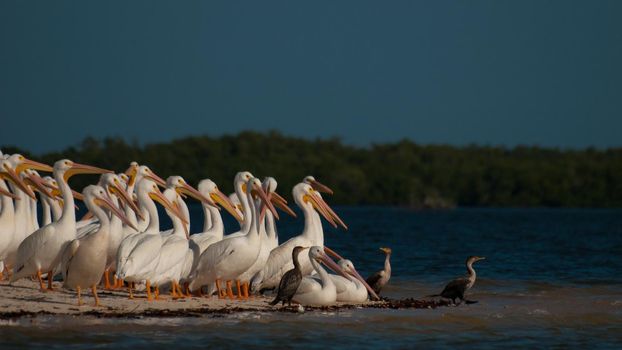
[356,275]
[12,176]
[320,187]
[31,164]
[83,169]
[107,202]
[224,201]
[160,198]
[332,265]
[119,192]
[38,183]
[316,201]
[264,198]
[192,192]
[280,203]
[332,213]
[158,180]
[7,193]
[332,253]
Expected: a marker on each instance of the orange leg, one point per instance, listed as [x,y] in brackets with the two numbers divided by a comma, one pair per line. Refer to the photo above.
[120,283]
[107,279]
[41,285]
[229,291]
[94,290]
[174,290]
[187,289]
[221,293]
[245,289]
[237,283]
[149,296]
[50,278]
[157,293]
[79,297]
[129,288]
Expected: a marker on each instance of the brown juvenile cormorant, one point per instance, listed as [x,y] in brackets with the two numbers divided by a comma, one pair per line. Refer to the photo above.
[380,279]
[290,280]
[456,288]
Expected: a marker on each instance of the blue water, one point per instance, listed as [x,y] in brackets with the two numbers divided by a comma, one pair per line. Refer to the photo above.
[552,278]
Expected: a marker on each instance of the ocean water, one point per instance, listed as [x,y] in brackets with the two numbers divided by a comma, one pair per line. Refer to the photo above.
[552,279]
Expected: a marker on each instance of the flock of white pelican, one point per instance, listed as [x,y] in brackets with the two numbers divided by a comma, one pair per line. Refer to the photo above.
[118,243]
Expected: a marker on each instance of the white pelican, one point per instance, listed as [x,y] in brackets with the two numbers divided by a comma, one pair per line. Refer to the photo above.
[114,187]
[13,166]
[84,260]
[41,250]
[229,258]
[322,291]
[352,289]
[139,253]
[318,186]
[280,259]
[268,238]
[213,228]
[175,246]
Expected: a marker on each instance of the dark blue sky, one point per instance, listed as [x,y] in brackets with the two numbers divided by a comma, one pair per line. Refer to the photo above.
[490,72]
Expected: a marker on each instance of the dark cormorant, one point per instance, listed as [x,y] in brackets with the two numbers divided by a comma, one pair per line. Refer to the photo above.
[379,279]
[456,288]
[290,280]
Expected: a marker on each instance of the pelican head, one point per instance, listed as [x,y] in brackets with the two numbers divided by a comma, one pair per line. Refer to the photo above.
[305,195]
[96,195]
[7,171]
[115,186]
[317,253]
[241,179]
[256,190]
[318,186]
[209,189]
[269,186]
[69,168]
[182,188]
[21,163]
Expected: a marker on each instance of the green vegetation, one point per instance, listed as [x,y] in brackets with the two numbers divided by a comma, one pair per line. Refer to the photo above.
[402,173]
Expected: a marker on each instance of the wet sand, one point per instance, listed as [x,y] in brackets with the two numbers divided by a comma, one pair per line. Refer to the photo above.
[24,298]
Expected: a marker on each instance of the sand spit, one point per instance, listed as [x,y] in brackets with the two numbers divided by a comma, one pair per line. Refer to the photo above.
[24,299]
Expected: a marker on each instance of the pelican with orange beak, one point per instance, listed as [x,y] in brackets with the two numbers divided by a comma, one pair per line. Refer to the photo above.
[228,259]
[138,254]
[280,260]
[41,250]
[84,260]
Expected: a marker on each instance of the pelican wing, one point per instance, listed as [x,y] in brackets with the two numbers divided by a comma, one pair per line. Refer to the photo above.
[68,253]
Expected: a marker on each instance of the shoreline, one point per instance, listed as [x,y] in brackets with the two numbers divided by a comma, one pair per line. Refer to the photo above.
[24,299]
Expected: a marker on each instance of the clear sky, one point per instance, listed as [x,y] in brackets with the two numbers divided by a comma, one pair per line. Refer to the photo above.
[489,72]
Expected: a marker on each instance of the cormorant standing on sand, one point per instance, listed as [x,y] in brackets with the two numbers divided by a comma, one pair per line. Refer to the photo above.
[456,288]
[290,280]
[380,279]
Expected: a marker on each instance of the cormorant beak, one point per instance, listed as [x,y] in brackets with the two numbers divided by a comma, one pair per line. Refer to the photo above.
[107,203]
[224,202]
[31,164]
[320,187]
[323,208]
[83,169]
[12,176]
[119,192]
[386,250]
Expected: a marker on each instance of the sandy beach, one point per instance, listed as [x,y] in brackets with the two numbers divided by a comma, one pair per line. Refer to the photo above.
[24,298]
